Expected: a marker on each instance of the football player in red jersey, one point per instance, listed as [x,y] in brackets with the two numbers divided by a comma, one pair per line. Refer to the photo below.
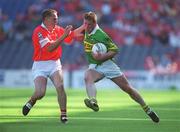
[47,39]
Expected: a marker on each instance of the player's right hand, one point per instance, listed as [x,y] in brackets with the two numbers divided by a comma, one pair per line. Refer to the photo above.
[67,30]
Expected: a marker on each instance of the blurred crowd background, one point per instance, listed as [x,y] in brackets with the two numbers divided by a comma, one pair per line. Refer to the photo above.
[147,32]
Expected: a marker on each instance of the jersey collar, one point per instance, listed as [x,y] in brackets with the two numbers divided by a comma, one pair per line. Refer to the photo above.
[95,29]
[43,25]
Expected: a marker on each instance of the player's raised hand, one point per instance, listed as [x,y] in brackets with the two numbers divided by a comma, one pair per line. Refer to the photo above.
[67,30]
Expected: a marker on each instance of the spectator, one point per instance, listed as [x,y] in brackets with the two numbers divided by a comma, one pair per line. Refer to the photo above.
[127,22]
[2,35]
[174,38]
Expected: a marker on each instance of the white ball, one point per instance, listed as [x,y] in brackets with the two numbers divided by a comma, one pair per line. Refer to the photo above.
[99,47]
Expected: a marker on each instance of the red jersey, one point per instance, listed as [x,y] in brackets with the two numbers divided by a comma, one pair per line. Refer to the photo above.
[41,40]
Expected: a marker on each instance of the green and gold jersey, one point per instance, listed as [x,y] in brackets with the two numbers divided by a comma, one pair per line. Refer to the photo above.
[97,36]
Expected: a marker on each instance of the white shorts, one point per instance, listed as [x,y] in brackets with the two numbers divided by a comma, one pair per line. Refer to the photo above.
[46,68]
[108,68]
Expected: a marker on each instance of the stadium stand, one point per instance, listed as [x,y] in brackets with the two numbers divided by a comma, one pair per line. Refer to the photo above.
[141,28]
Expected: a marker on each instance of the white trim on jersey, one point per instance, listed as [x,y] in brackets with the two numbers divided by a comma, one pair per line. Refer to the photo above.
[95,29]
[44,41]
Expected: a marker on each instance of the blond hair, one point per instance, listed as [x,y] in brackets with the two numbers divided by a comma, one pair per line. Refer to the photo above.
[90,16]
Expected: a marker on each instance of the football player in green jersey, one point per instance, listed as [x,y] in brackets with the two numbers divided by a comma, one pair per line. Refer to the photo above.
[103,65]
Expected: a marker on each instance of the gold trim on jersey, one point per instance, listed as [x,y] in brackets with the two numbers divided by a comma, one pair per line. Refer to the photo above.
[88,46]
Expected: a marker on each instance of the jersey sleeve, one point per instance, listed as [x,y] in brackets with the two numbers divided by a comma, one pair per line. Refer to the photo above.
[40,38]
[111,46]
[105,39]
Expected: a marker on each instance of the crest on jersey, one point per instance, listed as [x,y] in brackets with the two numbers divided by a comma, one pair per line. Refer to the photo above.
[40,36]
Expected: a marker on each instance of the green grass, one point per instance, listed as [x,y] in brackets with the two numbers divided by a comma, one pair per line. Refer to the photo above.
[118,113]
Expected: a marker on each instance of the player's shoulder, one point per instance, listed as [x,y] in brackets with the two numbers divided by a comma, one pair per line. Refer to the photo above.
[37,29]
[100,33]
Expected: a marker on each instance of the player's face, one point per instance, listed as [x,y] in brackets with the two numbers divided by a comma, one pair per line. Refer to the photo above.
[52,20]
[89,25]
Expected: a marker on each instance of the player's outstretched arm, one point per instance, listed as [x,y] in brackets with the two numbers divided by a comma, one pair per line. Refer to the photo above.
[55,44]
[78,32]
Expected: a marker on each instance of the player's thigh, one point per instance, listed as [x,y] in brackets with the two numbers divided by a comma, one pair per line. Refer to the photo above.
[92,75]
[57,79]
[122,82]
[40,83]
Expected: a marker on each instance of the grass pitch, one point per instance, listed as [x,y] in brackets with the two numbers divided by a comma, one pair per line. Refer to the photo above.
[118,113]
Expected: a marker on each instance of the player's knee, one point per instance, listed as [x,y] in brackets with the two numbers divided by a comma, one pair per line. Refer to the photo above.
[60,87]
[85,78]
[88,78]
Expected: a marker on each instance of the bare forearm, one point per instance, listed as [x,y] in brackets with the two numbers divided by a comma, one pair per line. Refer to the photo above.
[55,44]
[104,57]
[78,31]
[109,55]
